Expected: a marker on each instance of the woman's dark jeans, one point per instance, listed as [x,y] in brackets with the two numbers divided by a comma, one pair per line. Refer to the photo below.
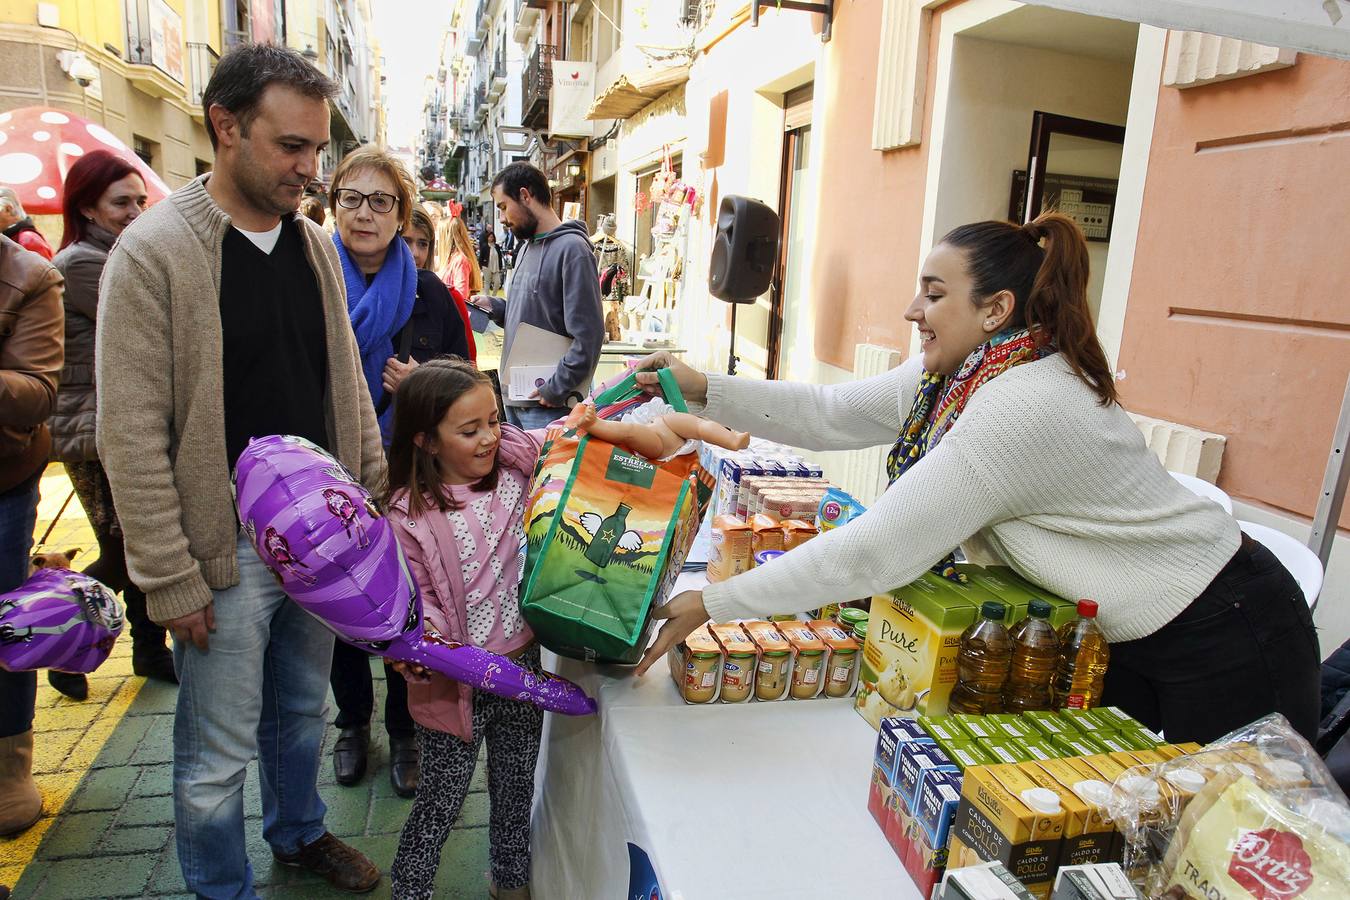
[18,515]
[1244,648]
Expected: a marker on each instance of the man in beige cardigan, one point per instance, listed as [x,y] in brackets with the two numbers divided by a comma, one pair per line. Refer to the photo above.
[224,318]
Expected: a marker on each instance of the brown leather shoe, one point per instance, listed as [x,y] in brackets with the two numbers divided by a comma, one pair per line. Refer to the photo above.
[342,865]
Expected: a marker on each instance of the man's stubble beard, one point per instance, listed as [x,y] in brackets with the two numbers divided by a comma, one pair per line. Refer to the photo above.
[257,189]
[527,229]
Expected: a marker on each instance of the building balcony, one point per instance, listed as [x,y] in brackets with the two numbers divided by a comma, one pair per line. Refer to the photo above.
[496,83]
[201,63]
[526,15]
[480,102]
[536,82]
[478,28]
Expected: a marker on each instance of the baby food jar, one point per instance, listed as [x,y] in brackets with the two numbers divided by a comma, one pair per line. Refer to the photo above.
[700,675]
[860,631]
[806,674]
[773,675]
[840,681]
[738,676]
[849,617]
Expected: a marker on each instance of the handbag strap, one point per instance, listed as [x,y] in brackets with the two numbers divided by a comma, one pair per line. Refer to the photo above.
[404,351]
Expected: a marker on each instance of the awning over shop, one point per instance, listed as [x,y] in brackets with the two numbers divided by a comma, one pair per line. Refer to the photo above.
[1314,26]
[630,94]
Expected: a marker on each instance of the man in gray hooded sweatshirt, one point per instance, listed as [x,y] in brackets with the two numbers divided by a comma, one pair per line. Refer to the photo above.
[555,286]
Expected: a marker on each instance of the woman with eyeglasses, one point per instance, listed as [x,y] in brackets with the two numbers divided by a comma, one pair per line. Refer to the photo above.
[401,315]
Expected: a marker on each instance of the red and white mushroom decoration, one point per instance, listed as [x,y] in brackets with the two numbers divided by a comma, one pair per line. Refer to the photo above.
[38,145]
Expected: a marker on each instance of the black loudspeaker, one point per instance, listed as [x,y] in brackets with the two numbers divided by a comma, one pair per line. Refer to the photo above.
[745,250]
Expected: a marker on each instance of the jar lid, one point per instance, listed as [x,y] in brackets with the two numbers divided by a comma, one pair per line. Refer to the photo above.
[810,652]
[704,654]
[776,652]
[860,631]
[741,654]
[845,651]
[853,615]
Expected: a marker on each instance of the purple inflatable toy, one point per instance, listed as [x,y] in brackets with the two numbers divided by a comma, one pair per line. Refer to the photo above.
[58,619]
[325,540]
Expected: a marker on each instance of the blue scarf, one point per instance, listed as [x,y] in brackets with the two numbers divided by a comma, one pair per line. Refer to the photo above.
[378,311]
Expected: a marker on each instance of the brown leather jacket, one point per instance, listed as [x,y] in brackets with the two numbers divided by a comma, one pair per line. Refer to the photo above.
[32,344]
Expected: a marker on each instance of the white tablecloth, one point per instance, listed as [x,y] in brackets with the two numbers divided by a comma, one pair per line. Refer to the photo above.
[755,800]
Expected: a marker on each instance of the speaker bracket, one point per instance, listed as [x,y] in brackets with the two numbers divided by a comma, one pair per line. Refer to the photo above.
[825,8]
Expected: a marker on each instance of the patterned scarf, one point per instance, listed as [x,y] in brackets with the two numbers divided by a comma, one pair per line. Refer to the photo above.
[940,400]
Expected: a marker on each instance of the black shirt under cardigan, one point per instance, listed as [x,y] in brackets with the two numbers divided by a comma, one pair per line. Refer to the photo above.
[273,347]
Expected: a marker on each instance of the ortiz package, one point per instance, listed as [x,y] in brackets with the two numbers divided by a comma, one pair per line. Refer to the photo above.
[1266,822]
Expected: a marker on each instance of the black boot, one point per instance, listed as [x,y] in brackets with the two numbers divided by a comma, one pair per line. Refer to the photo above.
[149,657]
[74,686]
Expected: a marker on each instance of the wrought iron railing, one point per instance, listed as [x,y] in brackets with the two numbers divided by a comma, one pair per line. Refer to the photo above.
[537,82]
[201,63]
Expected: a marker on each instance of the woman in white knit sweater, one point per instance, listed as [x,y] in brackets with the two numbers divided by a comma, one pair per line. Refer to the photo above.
[1008,441]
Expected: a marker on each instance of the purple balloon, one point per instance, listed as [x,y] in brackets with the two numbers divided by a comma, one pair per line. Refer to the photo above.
[58,619]
[333,552]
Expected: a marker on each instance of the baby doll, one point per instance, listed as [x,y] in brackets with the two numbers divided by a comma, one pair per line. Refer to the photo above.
[661,438]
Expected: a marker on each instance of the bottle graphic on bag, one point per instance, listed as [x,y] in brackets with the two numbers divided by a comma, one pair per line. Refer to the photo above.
[983,663]
[1034,657]
[1083,657]
[607,536]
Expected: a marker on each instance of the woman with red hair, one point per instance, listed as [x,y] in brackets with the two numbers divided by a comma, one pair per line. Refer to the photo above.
[103,195]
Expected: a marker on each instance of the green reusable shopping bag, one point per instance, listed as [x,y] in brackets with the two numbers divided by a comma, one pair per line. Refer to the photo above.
[606,534]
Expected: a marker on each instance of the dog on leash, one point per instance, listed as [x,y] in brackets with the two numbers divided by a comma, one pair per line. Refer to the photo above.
[52,560]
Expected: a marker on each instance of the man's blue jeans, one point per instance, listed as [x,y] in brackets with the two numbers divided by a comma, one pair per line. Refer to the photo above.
[531,418]
[260,688]
[18,515]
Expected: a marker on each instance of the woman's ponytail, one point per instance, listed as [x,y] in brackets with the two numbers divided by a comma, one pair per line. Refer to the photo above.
[1058,301]
[1049,285]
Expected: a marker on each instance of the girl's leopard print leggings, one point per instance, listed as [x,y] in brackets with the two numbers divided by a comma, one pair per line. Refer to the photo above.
[512,730]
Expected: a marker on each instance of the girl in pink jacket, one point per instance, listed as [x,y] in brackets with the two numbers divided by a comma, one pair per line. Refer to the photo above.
[458,484]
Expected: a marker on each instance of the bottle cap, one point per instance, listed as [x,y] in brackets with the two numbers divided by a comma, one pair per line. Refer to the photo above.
[1285,770]
[1093,791]
[1186,779]
[1087,609]
[1039,608]
[1041,799]
[992,609]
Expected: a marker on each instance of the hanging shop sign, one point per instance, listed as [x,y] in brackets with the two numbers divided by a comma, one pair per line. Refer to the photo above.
[573,91]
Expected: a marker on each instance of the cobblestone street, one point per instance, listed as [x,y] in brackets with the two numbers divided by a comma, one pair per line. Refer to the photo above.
[105,768]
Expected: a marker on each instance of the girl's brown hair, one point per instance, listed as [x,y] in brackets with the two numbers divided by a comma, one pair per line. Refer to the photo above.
[420,403]
[422,222]
[1049,285]
[457,238]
